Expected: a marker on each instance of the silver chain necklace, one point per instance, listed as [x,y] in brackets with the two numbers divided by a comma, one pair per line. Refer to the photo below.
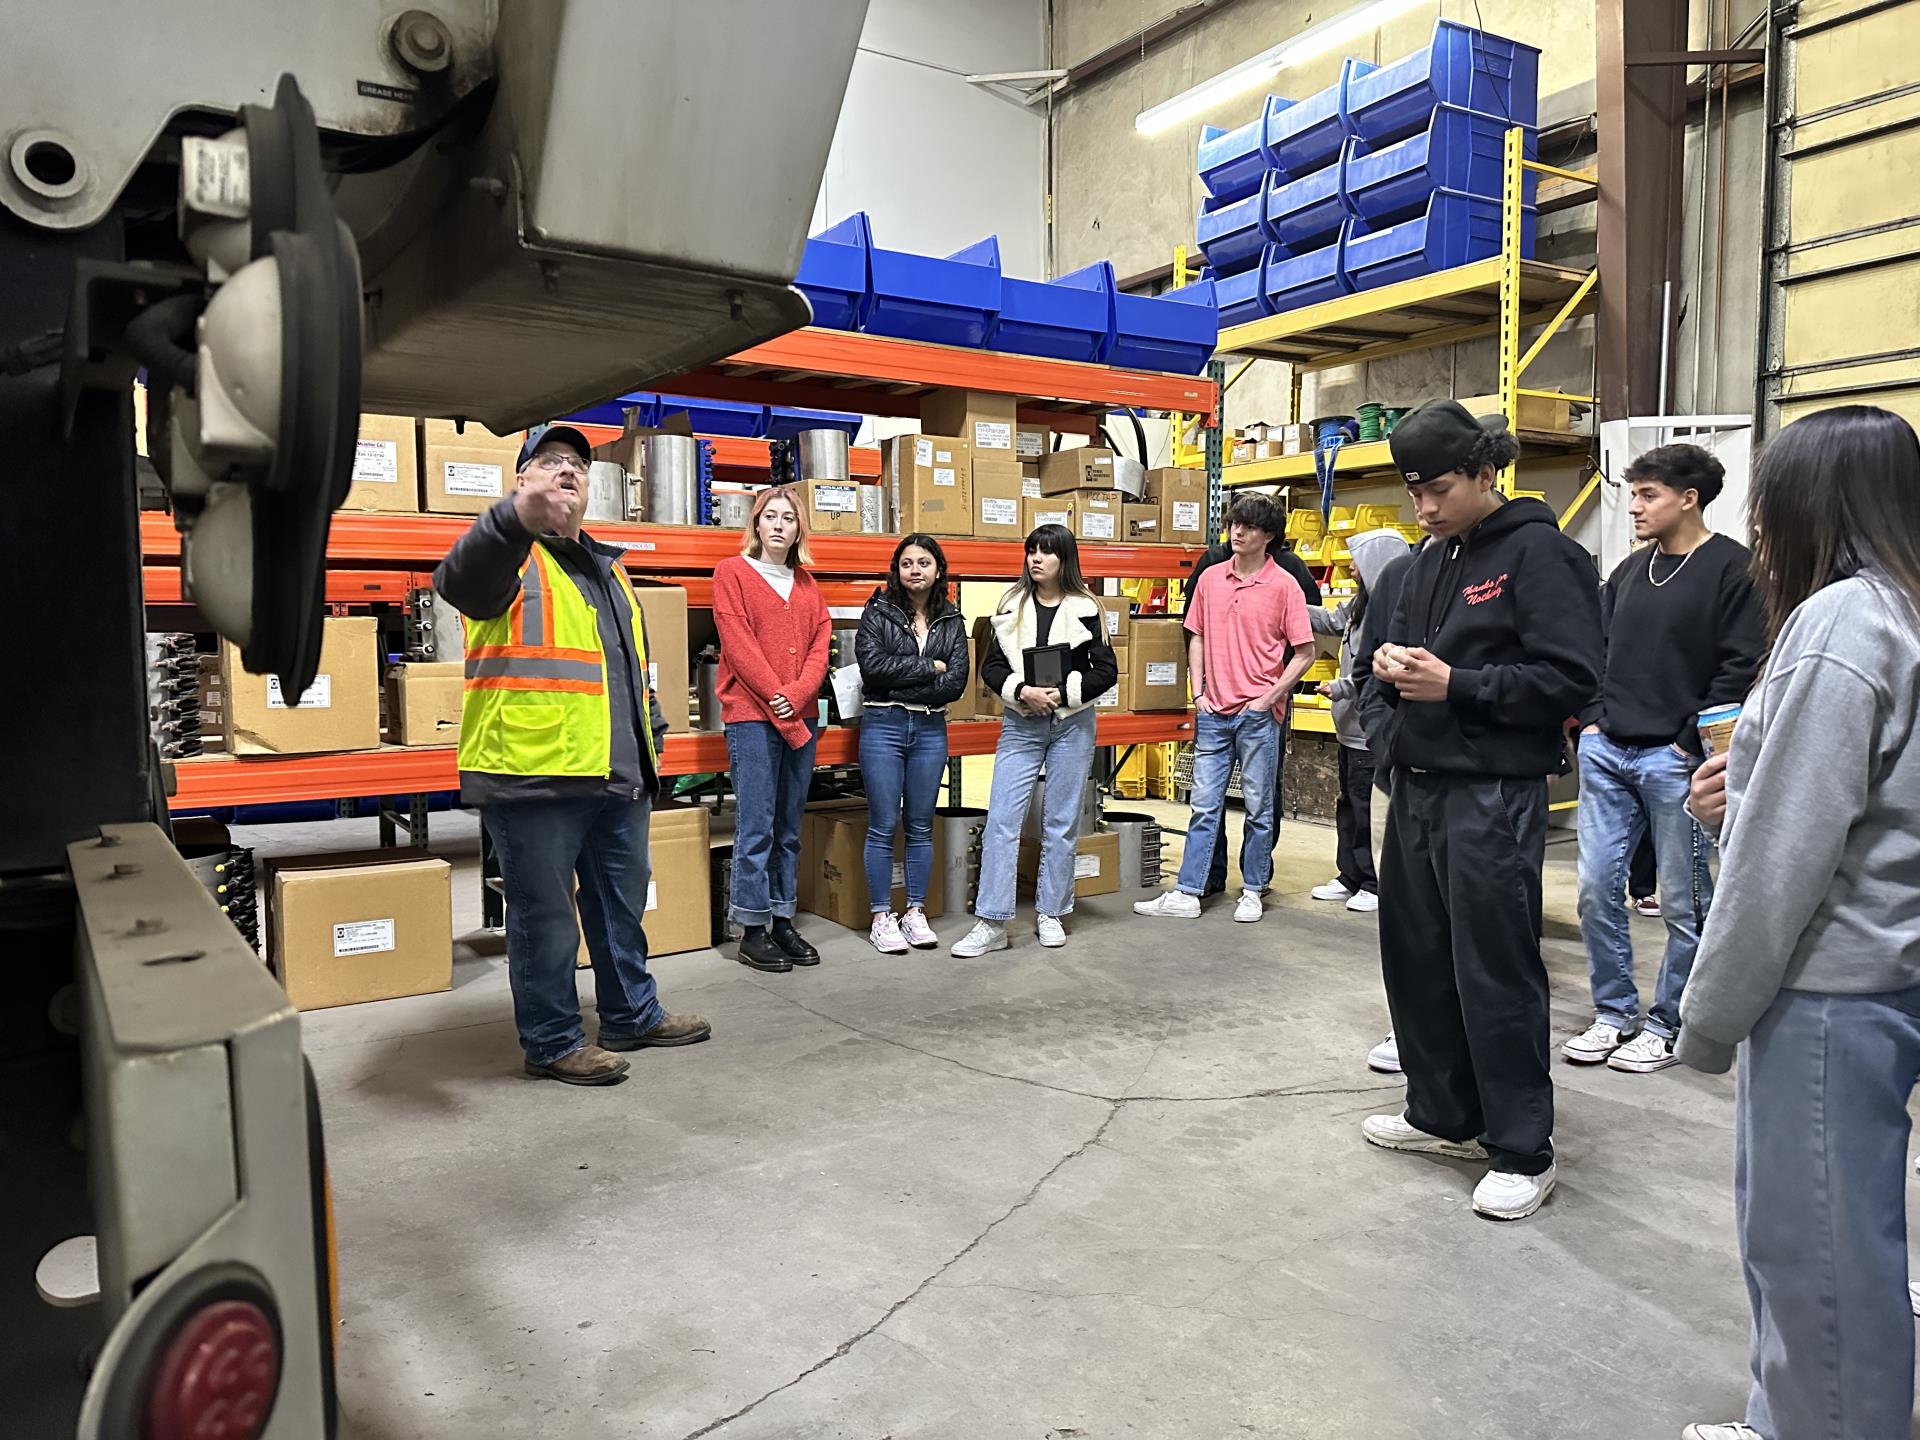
[1653,553]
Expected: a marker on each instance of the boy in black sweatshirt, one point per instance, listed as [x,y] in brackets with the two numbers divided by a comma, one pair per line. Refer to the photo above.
[1493,649]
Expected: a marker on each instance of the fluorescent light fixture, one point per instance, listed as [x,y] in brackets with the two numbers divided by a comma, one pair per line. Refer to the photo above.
[1249,74]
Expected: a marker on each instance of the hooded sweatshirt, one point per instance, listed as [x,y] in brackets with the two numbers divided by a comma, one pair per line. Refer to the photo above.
[1513,606]
[1372,553]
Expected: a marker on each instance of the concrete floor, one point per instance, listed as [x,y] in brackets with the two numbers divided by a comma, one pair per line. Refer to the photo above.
[1112,1190]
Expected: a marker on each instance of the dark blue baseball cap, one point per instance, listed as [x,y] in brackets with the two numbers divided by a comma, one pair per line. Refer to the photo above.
[560,435]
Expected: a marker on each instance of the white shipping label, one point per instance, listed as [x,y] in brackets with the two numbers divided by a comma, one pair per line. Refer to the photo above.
[995,511]
[1029,487]
[1186,514]
[1096,527]
[1029,444]
[317,696]
[1162,672]
[944,477]
[462,477]
[1108,700]
[1086,867]
[837,499]
[923,452]
[653,895]
[362,937]
[1101,462]
[1113,621]
[377,460]
[899,874]
[1053,517]
[992,435]
[943,457]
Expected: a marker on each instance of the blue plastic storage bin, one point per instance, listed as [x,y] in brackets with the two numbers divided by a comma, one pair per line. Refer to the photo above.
[1231,162]
[1462,66]
[784,422]
[1174,332]
[1305,214]
[1307,279]
[1307,135]
[717,417]
[1455,230]
[1233,234]
[1066,319]
[948,302]
[833,273]
[1460,150]
[1242,297]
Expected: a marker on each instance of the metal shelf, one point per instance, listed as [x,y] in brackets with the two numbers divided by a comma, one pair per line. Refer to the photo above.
[219,780]
[160,585]
[1357,463]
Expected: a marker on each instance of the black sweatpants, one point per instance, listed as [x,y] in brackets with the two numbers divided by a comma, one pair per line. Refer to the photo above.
[1460,952]
[1352,821]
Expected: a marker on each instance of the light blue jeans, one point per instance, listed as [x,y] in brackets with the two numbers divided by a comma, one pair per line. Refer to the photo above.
[1029,746]
[1625,792]
[1820,1177]
[1256,738]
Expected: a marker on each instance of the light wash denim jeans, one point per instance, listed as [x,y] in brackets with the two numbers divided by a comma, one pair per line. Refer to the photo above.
[771,781]
[1030,745]
[1625,792]
[545,847]
[903,754]
[1256,738]
[1820,1179]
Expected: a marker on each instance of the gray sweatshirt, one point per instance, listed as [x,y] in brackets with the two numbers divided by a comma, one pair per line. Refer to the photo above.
[1820,850]
[1372,552]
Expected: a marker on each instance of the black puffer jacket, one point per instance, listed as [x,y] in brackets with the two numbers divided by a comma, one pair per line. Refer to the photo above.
[892,665]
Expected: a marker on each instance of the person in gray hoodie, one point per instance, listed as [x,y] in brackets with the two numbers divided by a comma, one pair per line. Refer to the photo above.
[1809,968]
[1355,884]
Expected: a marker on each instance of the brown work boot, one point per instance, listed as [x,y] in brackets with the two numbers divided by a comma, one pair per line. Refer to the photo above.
[589,1065]
[672,1030]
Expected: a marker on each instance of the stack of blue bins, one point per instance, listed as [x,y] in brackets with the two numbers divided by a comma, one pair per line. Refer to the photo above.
[1391,172]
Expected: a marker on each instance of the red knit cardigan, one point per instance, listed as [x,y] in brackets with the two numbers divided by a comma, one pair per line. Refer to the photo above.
[769,646]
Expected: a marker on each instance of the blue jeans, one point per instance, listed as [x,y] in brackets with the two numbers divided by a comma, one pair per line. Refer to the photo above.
[770,781]
[1820,1177]
[1256,738]
[1625,792]
[544,846]
[902,756]
[1030,744]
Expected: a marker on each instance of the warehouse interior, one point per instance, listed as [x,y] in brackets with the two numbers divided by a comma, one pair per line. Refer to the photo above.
[279,1163]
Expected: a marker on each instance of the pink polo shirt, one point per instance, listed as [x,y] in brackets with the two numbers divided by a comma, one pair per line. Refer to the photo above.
[1246,627]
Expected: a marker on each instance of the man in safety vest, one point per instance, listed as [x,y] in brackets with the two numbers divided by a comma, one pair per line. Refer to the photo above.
[560,740]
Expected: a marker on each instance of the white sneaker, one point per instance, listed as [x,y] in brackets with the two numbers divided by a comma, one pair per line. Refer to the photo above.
[1393,1132]
[1735,1431]
[1594,1044]
[1502,1195]
[1385,1057]
[985,935]
[1644,1054]
[1170,905]
[1364,902]
[1248,908]
[1052,933]
[885,934]
[1332,890]
[1913,1295]
[918,932]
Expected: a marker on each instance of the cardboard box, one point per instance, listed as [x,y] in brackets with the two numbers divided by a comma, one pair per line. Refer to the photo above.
[1116,698]
[664,608]
[1098,514]
[1088,468]
[340,710]
[996,500]
[386,466]
[835,863]
[465,472]
[212,697]
[1183,506]
[931,482]
[1117,613]
[1157,664]
[423,703]
[985,421]
[361,925]
[1031,442]
[678,912]
[1535,412]
[1140,523]
[1051,510]
[1096,864]
[1294,439]
[1029,481]
[833,506]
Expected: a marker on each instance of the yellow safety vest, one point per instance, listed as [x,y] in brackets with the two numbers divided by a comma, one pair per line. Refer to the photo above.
[535,697]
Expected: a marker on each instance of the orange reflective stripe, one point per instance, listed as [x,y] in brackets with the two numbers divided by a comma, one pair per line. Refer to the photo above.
[510,682]
[531,652]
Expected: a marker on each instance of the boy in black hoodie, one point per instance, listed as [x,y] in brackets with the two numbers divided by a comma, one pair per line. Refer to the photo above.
[1493,647]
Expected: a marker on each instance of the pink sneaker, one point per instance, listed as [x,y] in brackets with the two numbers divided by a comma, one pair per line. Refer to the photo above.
[918,932]
[886,934]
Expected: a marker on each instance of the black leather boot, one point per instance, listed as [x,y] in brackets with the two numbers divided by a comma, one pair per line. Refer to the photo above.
[793,944]
[763,952]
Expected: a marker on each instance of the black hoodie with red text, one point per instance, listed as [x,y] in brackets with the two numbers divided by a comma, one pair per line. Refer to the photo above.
[1514,607]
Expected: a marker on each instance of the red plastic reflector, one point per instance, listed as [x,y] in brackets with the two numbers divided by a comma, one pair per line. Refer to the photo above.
[217,1377]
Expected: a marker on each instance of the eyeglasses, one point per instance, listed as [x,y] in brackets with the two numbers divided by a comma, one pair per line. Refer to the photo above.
[559,460]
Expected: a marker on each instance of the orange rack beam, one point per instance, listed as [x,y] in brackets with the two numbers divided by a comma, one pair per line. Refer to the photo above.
[161,586]
[220,780]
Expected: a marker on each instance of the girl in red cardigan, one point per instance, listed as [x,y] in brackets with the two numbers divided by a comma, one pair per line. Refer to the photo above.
[774,633]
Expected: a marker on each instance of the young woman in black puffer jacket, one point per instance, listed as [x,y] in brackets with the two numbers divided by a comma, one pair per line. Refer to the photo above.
[912,649]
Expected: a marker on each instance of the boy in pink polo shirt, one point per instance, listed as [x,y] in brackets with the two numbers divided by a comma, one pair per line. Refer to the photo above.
[1248,644]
